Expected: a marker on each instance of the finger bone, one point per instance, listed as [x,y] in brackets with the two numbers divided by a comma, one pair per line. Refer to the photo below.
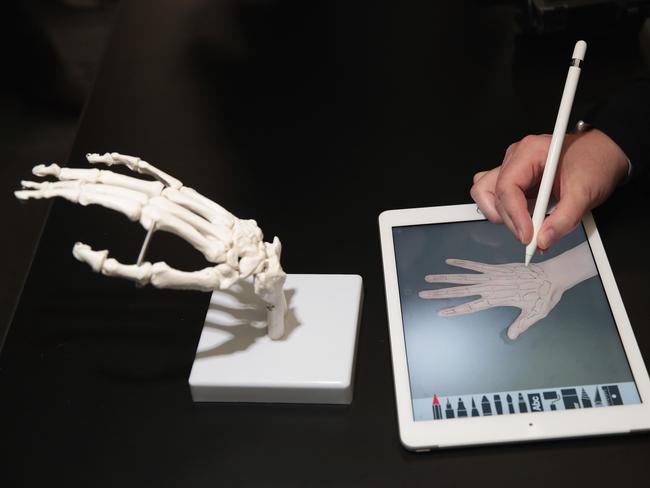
[50,170]
[134,164]
[48,185]
[84,253]
[132,209]
[140,273]
[122,200]
[34,185]
[94,175]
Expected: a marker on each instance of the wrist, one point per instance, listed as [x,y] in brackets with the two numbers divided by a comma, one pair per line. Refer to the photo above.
[611,153]
[615,156]
[571,267]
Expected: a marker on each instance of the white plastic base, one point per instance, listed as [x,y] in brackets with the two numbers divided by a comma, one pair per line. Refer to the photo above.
[314,363]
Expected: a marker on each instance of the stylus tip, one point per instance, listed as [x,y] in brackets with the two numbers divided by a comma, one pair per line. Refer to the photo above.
[528,258]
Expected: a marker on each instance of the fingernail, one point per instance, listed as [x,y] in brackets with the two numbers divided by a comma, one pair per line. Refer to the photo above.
[520,234]
[547,237]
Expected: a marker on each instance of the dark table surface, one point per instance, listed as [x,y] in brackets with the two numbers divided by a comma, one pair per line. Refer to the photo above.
[312,118]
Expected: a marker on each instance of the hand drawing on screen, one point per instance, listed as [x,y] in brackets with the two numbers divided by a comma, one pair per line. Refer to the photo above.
[536,289]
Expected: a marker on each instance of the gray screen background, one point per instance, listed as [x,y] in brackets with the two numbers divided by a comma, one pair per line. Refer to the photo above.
[576,344]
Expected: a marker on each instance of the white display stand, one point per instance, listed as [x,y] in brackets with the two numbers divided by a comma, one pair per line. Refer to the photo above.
[314,363]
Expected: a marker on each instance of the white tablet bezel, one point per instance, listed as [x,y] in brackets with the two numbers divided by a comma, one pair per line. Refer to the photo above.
[425,435]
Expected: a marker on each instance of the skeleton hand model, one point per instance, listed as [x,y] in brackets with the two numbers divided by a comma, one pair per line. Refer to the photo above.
[234,245]
[535,289]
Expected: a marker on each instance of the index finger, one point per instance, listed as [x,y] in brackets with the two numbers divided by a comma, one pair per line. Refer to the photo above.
[454,292]
[523,171]
[472,265]
[460,279]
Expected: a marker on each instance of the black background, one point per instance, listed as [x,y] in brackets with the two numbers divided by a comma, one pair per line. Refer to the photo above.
[312,118]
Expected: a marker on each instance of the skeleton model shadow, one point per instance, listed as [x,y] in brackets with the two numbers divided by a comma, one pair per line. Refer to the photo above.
[234,245]
[242,322]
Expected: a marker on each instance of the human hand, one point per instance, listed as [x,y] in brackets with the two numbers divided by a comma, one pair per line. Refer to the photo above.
[536,289]
[591,166]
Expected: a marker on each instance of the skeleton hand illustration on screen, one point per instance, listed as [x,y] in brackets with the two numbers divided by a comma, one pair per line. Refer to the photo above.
[536,289]
[234,245]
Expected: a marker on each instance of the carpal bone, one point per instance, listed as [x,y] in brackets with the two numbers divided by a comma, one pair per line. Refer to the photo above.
[250,264]
[212,250]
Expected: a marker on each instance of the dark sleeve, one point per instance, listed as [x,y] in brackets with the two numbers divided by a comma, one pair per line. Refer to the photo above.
[625,117]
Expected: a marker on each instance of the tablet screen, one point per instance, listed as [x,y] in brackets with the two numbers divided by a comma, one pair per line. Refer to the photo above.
[486,335]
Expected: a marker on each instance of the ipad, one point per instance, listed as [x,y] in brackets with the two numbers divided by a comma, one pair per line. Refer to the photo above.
[487,350]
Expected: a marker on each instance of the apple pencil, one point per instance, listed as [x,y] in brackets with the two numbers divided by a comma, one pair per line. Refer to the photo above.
[555,148]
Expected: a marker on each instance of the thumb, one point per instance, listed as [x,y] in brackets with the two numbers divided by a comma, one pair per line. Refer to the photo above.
[563,219]
[518,326]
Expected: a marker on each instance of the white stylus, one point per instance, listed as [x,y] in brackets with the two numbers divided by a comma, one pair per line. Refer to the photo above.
[555,148]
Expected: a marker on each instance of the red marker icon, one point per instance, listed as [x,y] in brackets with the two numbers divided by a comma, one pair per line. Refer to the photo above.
[437,410]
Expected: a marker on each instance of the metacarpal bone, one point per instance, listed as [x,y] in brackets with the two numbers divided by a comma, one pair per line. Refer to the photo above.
[190,201]
[212,249]
[215,207]
[200,224]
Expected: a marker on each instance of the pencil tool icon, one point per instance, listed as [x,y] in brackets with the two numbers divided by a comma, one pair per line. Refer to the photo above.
[485,406]
[511,407]
[598,402]
[552,395]
[474,409]
[570,398]
[461,411]
[449,411]
[586,401]
[437,410]
[612,395]
[497,404]
[522,404]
